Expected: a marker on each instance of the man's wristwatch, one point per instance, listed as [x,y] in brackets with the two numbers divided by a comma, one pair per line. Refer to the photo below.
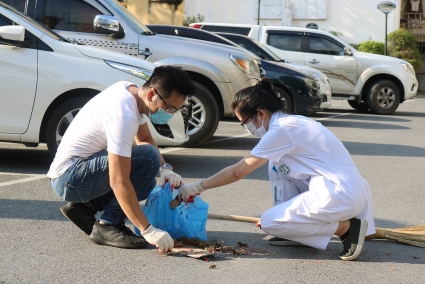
[165,166]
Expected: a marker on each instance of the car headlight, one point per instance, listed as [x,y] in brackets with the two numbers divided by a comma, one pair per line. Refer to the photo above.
[312,83]
[321,77]
[408,67]
[246,64]
[144,74]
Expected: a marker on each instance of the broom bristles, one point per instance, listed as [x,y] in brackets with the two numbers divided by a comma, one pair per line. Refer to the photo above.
[414,235]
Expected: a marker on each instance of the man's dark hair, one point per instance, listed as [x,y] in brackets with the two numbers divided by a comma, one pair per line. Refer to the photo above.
[261,96]
[167,79]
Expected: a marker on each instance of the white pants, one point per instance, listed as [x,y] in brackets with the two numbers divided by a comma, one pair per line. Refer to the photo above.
[311,211]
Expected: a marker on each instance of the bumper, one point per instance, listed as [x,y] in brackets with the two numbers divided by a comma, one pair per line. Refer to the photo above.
[410,86]
[326,90]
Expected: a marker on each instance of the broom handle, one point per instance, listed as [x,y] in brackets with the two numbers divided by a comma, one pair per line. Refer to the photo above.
[233,218]
[380,232]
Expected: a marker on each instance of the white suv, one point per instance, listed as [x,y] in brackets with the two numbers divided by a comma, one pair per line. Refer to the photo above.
[44,81]
[367,81]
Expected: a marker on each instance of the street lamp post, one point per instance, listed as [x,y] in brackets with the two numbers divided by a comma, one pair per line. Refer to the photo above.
[386,7]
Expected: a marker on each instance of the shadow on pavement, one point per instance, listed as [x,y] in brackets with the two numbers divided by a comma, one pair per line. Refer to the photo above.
[391,150]
[362,125]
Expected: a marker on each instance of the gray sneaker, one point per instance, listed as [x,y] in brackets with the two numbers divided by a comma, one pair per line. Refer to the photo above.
[353,244]
[275,241]
[119,236]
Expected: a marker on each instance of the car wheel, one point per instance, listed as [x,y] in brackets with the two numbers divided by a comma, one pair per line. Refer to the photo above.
[362,106]
[284,96]
[205,116]
[383,97]
[59,121]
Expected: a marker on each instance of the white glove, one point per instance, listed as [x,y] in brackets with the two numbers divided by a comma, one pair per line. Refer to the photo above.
[173,179]
[158,238]
[190,189]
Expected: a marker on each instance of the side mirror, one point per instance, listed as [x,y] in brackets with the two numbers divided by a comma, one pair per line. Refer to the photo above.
[13,35]
[348,52]
[108,25]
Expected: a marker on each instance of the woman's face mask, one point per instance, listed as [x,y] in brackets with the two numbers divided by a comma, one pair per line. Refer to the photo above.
[160,117]
[256,132]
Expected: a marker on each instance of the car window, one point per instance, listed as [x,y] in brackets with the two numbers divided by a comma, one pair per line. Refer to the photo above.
[5,21]
[290,42]
[17,4]
[224,29]
[324,46]
[70,15]
[250,46]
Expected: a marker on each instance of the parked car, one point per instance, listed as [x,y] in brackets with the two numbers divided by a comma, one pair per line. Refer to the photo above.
[367,81]
[299,90]
[217,71]
[251,45]
[44,82]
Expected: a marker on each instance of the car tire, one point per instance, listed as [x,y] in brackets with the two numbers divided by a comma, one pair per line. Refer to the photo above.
[60,120]
[383,97]
[283,95]
[362,106]
[203,122]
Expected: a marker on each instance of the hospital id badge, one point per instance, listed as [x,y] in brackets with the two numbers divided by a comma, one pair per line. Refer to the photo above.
[277,192]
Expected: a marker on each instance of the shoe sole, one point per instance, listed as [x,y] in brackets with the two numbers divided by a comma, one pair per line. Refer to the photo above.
[286,243]
[64,210]
[362,235]
[104,242]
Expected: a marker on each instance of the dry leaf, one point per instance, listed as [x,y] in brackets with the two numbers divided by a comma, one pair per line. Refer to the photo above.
[212,266]
[416,257]
[240,244]
[241,252]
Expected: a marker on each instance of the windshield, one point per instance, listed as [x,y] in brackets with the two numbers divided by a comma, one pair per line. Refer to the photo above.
[135,22]
[268,51]
[42,28]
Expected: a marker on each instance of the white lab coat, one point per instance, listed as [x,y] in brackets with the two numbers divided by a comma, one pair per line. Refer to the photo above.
[317,183]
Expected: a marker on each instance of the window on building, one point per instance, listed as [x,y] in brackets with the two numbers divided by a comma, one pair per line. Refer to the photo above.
[70,15]
[324,46]
[290,42]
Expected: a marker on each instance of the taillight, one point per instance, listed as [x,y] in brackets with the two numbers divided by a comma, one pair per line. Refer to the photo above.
[197,26]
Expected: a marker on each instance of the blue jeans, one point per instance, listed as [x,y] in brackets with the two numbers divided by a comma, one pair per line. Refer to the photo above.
[87,181]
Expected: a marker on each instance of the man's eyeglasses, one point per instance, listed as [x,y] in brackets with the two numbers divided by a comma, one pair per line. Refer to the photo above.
[170,109]
[243,122]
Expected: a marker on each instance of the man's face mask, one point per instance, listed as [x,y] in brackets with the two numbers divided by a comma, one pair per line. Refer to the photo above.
[161,116]
[256,132]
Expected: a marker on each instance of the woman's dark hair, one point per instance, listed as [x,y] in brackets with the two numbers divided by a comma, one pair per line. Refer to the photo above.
[261,96]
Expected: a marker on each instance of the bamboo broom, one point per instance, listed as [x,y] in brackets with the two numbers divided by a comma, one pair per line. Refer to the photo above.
[414,235]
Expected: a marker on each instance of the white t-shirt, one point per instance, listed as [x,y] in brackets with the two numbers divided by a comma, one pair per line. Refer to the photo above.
[108,121]
[301,148]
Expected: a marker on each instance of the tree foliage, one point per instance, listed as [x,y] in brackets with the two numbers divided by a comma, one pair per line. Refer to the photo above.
[402,44]
[372,46]
[194,19]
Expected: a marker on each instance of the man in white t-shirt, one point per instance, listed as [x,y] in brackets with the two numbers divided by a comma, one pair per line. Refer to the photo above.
[317,189]
[97,168]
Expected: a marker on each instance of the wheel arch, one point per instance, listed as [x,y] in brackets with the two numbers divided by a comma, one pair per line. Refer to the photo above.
[71,94]
[379,77]
[288,91]
[201,79]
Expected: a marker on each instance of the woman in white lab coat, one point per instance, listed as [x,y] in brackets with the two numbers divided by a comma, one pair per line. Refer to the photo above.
[318,191]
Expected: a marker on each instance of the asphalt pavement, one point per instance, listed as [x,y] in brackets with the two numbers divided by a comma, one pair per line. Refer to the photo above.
[39,245]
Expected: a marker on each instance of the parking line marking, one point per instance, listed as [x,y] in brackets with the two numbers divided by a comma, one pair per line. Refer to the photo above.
[333,116]
[23,180]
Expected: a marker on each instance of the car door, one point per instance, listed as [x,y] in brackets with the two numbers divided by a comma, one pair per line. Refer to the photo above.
[327,55]
[286,44]
[18,82]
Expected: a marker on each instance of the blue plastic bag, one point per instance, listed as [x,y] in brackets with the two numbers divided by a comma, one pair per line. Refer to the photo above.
[186,220]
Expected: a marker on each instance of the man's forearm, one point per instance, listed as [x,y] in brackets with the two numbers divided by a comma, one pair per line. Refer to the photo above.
[127,199]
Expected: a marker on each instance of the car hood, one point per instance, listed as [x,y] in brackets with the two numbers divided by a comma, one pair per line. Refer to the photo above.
[103,54]
[196,43]
[364,57]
